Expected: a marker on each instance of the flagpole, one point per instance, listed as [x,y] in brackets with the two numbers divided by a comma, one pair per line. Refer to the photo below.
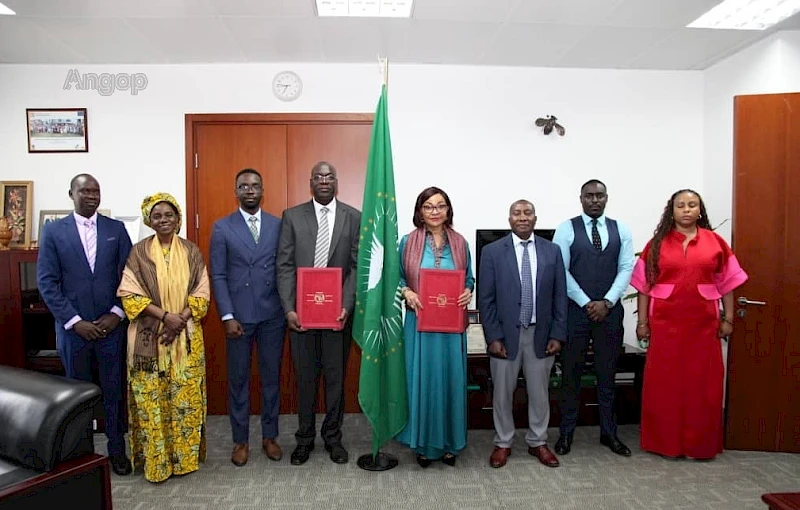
[381,461]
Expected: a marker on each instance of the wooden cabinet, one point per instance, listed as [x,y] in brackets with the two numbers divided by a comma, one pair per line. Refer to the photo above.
[27,336]
[627,403]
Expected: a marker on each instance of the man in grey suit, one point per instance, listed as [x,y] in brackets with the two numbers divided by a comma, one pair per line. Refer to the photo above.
[321,233]
[244,248]
[523,306]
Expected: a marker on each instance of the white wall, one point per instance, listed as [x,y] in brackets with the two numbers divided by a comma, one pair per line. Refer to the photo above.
[468,130]
[770,66]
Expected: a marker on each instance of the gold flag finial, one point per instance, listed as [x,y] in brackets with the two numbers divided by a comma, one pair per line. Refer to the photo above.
[384,65]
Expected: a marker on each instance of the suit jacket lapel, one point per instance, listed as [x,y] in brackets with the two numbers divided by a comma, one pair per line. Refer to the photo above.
[311,223]
[540,265]
[338,226]
[74,238]
[242,230]
[102,235]
[511,261]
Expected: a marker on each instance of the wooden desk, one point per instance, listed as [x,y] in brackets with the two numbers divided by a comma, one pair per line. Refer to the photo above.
[782,501]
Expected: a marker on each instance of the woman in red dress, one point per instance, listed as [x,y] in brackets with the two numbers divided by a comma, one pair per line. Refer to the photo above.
[682,274]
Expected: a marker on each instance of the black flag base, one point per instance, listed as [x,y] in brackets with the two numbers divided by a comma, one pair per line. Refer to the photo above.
[380,462]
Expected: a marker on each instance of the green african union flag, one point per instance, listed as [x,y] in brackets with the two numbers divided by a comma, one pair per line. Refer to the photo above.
[377,325]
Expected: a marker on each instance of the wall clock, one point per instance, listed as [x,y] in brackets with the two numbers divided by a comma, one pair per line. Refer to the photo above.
[287,86]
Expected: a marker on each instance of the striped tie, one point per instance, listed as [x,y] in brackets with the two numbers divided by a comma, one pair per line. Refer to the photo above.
[91,243]
[323,241]
[526,284]
[254,228]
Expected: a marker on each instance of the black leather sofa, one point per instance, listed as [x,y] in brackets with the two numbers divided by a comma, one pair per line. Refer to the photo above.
[46,447]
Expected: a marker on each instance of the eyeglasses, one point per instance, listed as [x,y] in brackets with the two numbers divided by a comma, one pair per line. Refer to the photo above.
[428,208]
[324,178]
[249,187]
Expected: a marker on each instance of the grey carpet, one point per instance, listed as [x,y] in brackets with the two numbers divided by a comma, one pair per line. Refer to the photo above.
[590,477]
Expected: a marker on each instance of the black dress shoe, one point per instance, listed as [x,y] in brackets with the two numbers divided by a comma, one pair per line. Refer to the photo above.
[449,459]
[338,453]
[121,465]
[423,460]
[564,444]
[301,453]
[615,445]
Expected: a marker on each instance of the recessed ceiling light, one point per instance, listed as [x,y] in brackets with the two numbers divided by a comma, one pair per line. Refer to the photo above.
[5,11]
[747,14]
[365,8]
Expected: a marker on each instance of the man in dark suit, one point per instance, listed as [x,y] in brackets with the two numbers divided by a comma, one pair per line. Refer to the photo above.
[523,307]
[244,247]
[81,258]
[321,233]
[598,254]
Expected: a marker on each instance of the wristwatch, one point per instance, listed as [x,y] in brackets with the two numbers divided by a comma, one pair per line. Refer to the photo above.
[608,303]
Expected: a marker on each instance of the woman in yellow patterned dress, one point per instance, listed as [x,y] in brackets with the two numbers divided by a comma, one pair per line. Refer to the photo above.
[165,292]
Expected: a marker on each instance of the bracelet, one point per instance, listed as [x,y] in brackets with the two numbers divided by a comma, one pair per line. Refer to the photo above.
[403,292]
[164,317]
[729,321]
[640,324]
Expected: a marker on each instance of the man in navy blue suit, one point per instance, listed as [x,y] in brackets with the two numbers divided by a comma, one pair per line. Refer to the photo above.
[523,308]
[244,246]
[81,258]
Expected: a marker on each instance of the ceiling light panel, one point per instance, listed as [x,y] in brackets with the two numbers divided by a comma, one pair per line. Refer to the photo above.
[365,8]
[747,14]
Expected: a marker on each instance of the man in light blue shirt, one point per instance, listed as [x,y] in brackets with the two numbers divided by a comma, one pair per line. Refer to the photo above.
[598,257]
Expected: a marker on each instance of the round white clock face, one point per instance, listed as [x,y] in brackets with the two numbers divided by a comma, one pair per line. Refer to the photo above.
[287,86]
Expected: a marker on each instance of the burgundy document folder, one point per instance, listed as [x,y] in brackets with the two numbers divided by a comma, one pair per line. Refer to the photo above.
[438,292]
[319,297]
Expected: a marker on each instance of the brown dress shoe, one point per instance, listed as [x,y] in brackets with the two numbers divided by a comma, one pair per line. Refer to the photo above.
[544,455]
[272,449]
[240,453]
[499,457]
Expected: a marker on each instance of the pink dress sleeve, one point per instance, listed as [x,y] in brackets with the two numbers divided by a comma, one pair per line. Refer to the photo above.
[639,277]
[731,275]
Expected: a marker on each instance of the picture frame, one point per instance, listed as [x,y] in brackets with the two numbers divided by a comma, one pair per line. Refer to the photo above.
[16,204]
[48,215]
[57,130]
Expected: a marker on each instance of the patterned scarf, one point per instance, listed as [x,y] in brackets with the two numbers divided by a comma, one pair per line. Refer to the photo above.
[415,246]
[168,287]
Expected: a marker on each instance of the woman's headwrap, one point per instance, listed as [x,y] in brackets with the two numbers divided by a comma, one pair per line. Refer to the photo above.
[149,202]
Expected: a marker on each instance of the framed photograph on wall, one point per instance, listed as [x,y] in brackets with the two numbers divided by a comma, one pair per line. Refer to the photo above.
[48,215]
[57,130]
[16,204]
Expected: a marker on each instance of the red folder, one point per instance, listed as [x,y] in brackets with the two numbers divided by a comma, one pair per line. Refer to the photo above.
[438,292]
[319,297]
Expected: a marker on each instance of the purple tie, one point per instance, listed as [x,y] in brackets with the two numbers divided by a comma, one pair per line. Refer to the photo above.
[91,243]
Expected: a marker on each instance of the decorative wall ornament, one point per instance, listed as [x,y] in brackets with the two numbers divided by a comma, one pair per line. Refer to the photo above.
[549,123]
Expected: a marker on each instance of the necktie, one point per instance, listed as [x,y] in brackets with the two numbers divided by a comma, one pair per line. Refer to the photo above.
[91,243]
[323,241]
[526,281]
[596,236]
[254,228]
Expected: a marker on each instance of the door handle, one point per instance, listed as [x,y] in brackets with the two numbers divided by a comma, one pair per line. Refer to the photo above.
[744,301]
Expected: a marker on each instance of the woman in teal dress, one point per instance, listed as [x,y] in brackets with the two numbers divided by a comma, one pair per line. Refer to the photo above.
[436,363]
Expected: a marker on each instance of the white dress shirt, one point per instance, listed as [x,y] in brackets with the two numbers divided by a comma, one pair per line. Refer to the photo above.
[532,255]
[331,214]
[246,215]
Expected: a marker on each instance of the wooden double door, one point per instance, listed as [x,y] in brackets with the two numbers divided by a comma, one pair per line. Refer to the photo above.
[283,148]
